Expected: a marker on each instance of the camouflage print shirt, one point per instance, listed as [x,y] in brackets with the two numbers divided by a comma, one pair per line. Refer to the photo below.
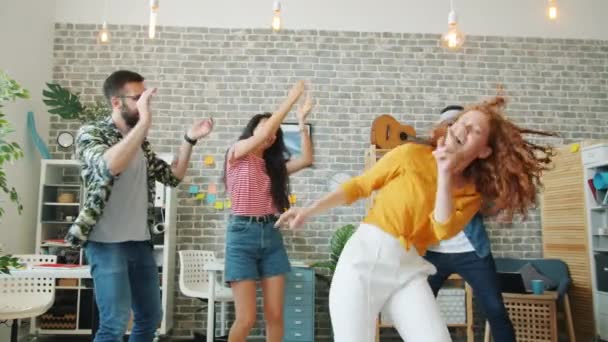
[92,142]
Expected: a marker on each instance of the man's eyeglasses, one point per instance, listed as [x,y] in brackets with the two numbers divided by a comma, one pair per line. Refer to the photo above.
[132,97]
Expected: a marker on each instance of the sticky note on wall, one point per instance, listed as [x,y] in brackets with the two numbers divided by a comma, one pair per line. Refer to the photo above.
[210,198]
[212,188]
[574,148]
[292,199]
[219,205]
[193,189]
[228,204]
[209,160]
[200,196]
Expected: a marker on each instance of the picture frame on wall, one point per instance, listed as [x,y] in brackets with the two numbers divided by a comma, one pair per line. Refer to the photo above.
[292,137]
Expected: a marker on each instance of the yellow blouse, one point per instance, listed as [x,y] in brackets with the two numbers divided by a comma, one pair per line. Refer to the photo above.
[406,183]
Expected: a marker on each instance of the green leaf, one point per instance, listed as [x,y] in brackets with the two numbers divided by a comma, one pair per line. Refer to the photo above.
[324,264]
[62,102]
[7,262]
[339,240]
[10,90]
[337,243]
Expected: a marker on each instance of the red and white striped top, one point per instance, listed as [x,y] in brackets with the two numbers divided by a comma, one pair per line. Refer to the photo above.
[249,186]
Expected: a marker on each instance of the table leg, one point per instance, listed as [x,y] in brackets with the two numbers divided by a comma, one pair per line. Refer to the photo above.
[94,316]
[211,307]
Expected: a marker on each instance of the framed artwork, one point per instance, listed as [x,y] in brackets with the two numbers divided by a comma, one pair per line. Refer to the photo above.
[292,138]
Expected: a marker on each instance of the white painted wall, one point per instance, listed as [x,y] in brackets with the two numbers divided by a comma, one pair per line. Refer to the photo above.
[26,33]
[578,18]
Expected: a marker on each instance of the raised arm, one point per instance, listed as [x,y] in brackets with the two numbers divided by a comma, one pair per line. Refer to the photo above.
[307,158]
[449,215]
[119,156]
[270,127]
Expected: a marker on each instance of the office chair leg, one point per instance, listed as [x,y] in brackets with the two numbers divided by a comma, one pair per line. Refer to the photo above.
[15,330]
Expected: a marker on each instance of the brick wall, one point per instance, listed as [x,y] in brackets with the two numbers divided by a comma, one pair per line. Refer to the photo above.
[231,74]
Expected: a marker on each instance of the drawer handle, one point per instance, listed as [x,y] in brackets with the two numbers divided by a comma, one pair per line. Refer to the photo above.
[298,322]
[297,335]
[298,274]
[605,269]
[298,310]
[298,286]
[298,298]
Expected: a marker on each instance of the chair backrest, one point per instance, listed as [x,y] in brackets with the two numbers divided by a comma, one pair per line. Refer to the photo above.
[191,273]
[555,269]
[11,286]
[32,259]
[17,286]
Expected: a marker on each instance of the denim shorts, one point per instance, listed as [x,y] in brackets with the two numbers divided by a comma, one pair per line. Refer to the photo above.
[254,249]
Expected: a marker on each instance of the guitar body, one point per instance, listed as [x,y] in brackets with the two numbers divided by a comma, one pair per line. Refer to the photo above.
[389,133]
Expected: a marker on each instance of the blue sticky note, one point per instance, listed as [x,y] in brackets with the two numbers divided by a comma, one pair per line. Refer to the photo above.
[193,189]
[210,198]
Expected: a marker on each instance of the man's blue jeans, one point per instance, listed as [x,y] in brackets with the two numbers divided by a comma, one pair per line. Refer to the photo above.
[480,273]
[125,276]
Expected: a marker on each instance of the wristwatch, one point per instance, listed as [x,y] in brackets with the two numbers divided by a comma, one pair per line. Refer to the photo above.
[190,141]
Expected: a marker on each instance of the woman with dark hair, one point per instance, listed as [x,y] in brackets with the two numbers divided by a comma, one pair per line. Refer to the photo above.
[424,194]
[257,173]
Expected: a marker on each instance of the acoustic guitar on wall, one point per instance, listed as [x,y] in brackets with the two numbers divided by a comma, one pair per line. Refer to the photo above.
[389,133]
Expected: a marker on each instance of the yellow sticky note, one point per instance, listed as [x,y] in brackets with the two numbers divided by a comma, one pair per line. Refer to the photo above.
[212,188]
[200,196]
[228,204]
[219,205]
[209,160]
[574,148]
[292,199]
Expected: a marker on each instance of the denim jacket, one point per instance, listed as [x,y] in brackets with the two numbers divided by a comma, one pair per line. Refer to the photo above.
[478,236]
[92,142]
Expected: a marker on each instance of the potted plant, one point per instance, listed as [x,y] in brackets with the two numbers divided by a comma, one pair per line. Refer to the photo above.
[68,106]
[10,151]
[336,245]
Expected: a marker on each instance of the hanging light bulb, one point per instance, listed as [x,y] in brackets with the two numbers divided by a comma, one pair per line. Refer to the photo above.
[552,10]
[276,18]
[103,37]
[453,39]
[153,15]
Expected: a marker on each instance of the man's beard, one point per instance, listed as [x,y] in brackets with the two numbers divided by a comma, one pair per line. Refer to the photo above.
[131,117]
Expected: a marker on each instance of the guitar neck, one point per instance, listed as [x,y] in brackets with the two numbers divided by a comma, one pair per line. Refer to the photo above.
[423,141]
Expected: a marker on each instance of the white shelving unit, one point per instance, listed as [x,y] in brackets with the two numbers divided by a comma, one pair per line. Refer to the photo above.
[595,160]
[72,312]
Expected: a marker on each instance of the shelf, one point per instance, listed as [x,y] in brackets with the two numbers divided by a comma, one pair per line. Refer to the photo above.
[69,287]
[57,222]
[62,204]
[599,208]
[77,186]
[64,331]
[159,246]
[597,165]
[602,250]
[55,245]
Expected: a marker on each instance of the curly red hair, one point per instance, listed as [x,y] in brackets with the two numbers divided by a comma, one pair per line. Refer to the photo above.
[509,178]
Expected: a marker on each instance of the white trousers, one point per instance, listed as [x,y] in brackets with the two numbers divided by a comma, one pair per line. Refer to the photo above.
[375,272]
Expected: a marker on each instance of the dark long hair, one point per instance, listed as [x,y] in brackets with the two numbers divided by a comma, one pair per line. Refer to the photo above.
[275,158]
